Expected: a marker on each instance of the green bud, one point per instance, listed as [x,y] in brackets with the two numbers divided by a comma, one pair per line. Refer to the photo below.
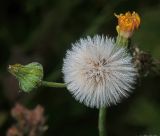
[29,76]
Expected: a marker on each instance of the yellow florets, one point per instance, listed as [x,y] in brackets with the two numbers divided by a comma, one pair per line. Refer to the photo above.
[127,23]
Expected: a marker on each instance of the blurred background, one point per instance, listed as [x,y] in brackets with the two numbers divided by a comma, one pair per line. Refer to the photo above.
[42,31]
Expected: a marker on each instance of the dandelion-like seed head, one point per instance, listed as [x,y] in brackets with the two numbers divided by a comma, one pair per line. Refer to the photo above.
[127,23]
[97,72]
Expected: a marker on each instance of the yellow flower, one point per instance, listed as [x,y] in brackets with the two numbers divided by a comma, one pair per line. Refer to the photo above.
[127,23]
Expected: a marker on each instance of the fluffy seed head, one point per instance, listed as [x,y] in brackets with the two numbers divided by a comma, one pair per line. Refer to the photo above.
[97,72]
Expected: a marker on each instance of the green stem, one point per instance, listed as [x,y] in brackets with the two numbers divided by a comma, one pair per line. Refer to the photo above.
[101,122]
[121,41]
[53,84]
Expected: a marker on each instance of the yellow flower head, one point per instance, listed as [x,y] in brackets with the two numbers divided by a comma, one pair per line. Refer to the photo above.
[127,23]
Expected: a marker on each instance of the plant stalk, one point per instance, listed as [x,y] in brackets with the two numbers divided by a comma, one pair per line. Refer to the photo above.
[102,121]
[121,41]
[53,84]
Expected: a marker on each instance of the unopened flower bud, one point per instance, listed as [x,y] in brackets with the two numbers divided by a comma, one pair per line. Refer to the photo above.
[29,76]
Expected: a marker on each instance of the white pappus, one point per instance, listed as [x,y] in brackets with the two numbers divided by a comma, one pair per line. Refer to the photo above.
[97,72]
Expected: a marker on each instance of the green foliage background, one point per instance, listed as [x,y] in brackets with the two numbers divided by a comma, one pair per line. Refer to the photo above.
[42,31]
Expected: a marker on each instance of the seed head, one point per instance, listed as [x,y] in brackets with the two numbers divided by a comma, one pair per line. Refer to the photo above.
[97,72]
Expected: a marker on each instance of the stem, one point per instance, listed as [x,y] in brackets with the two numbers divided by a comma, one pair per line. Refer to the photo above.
[53,84]
[101,122]
[121,41]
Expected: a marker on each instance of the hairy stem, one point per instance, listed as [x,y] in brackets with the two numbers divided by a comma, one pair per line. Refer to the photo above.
[101,122]
[121,41]
[53,84]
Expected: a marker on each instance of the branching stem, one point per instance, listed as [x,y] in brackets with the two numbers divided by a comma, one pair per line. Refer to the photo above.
[53,84]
